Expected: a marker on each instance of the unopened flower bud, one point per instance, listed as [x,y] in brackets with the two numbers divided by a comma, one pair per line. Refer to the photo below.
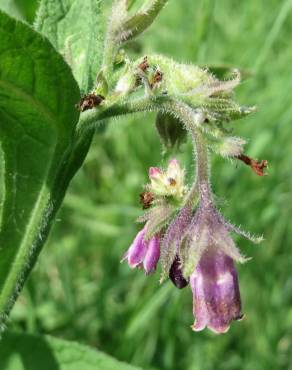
[155,173]
[143,252]
[176,276]
[137,251]
[152,255]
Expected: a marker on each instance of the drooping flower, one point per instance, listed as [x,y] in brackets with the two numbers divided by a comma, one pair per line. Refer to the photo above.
[206,253]
[216,297]
[144,253]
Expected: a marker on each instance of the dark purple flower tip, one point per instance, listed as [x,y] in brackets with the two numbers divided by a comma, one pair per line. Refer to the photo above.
[152,255]
[216,297]
[175,274]
[137,251]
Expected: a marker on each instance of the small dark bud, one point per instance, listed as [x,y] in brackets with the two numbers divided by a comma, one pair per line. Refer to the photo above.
[146,199]
[176,276]
[144,65]
[89,101]
[156,78]
[257,166]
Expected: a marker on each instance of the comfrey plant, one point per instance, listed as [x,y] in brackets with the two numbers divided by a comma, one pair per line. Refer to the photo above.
[183,229]
[42,112]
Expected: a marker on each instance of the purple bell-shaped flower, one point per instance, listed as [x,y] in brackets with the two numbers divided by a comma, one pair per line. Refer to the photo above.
[216,297]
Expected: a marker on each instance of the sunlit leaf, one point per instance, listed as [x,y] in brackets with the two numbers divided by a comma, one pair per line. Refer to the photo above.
[75,29]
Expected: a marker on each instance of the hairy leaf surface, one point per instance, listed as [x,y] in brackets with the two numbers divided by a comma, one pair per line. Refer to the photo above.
[74,28]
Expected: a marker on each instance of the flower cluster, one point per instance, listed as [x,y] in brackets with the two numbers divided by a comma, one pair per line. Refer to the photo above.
[194,246]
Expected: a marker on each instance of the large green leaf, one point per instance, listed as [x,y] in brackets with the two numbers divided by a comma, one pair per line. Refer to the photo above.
[27,9]
[75,29]
[37,121]
[28,352]
[10,7]
[22,9]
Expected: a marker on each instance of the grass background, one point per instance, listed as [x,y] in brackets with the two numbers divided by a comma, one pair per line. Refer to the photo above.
[80,291]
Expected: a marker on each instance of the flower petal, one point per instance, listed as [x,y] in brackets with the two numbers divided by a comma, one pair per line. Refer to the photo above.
[216,292]
[137,250]
[152,255]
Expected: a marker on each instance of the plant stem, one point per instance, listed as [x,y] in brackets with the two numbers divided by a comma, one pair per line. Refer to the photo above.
[92,117]
[202,166]
[109,55]
[192,120]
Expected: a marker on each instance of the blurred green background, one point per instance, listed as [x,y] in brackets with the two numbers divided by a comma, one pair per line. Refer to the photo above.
[80,291]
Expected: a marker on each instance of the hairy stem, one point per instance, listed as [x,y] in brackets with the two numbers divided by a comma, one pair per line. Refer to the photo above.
[93,117]
[192,120]
[202,166]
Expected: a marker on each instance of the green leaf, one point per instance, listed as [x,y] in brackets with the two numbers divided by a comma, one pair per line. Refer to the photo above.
[74,27]
[11,8]
[20,9]
[37,122]
[31,352]
[27,8]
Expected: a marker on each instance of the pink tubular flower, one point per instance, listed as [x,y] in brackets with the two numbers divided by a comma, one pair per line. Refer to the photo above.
[215,290]
[143,252]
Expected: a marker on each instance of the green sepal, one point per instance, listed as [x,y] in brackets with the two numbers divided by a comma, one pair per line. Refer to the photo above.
[101,87]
